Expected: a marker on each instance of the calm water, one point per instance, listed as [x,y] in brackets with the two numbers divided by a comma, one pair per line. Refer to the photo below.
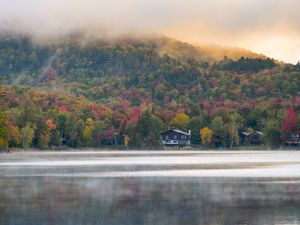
[151,188]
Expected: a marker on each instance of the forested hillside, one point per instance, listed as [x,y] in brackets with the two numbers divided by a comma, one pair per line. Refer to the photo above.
[97,93]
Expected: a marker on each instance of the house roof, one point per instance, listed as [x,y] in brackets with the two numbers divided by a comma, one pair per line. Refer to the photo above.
[250,133]
[177,131]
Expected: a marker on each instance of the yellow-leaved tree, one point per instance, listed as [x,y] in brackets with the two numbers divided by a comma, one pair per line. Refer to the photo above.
[206,136]
[180,121]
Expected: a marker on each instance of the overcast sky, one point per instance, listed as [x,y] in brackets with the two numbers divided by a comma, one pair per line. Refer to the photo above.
[271,27]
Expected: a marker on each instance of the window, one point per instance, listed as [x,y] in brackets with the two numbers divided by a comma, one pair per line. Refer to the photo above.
[167,137]
[175,136]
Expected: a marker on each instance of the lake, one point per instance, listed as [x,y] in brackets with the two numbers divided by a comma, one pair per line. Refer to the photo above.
[150,187]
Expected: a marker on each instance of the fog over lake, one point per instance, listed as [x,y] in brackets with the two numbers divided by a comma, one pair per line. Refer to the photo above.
[150,187]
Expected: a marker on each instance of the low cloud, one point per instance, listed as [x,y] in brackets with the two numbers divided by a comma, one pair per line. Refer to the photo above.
[246,23]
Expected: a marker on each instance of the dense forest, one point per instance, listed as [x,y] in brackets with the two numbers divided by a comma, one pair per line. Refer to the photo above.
[125,92]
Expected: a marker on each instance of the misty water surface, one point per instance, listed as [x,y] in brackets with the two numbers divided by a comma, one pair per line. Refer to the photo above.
[138,187]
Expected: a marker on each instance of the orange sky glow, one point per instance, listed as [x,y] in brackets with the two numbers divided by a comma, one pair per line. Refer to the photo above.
[271,27]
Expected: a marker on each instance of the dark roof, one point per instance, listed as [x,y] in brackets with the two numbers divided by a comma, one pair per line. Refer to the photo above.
[254,132]
[177,131]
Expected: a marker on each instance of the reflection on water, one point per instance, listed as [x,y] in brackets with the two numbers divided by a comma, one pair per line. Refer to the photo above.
[150,188]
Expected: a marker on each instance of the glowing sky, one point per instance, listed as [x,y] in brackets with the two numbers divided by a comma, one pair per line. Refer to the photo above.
[271,27]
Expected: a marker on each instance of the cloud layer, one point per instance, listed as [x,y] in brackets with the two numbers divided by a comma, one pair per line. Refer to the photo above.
[270,26]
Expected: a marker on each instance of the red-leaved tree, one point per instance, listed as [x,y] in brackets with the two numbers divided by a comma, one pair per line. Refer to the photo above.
[290,121]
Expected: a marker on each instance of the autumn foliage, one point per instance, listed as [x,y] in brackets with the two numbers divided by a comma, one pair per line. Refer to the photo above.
[106,93]
[206,136]
[290,122]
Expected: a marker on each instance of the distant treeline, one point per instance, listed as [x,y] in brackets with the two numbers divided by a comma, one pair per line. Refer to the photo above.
[125,93]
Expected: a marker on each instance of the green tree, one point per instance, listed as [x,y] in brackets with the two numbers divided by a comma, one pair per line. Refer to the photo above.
[56,139]
[61,124]
[79,129]
[219,131]
[272,134]
[44,138]
[27,134]
[259,116]
[146,133]
[98,132]
[235,122]
[3,130]
[4,135]
[43,134]
[28,111]
[195,125]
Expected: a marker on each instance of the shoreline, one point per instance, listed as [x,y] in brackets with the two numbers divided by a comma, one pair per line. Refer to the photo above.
[224,150]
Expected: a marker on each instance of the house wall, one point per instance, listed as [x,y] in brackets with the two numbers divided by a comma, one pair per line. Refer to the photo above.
[174,138]
[255,139]
[293,138]
[252,139]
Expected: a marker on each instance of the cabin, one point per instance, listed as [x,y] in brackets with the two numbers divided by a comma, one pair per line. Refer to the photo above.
[252,138]
[293,138]
[176,138]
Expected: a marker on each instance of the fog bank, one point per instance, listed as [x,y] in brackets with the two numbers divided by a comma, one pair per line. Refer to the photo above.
[271,27]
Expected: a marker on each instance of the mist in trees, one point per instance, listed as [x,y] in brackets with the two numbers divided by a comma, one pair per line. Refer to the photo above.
[96,94]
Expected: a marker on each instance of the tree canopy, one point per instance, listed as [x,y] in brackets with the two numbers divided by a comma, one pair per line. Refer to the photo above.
[77,94]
